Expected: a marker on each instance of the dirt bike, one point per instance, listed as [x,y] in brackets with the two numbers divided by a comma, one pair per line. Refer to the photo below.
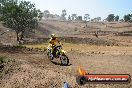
[58,53]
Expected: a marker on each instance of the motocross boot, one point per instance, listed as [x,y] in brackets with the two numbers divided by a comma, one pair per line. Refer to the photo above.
[52,55]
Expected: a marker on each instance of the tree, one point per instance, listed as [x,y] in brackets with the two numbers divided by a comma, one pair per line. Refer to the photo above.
[117,18]
[19,16]
[79,18]
[57,17]
[0,10]
[69,18]
[86,18]
[110,17]
[74,16]
[128,18]
[63,14]
[121,20]
[40,15]
[98,18]
[46,14]
[51,16]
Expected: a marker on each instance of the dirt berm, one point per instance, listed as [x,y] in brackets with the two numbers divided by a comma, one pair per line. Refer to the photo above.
[77,40]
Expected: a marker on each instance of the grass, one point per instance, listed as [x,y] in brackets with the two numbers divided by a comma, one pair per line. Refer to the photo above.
[41,46]
[2,59]
[7,65]
[85,48]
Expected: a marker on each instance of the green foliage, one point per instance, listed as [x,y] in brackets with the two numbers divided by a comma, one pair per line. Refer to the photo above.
[110,17]
[128,18]
[63,14]
[2,59]
[74,16]
[69,18]
[121,20]
[117,18]
[40,15]
[7,65]
[20,16]
[46,14]
[96,19]
[86,17]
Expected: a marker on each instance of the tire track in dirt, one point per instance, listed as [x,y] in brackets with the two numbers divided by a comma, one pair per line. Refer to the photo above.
[37,71]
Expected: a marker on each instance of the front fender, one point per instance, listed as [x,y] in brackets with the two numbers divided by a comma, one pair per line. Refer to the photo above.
[63,51]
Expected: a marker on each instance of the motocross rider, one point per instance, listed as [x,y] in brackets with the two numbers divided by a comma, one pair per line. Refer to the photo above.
[52,42]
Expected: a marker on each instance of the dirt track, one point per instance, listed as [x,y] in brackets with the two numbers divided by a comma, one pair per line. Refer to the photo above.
[95,55]
[37,71]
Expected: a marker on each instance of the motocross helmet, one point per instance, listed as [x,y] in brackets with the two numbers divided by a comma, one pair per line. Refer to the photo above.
[53,36]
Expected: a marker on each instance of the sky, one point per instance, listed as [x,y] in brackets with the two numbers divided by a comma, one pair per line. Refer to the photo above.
[96,8]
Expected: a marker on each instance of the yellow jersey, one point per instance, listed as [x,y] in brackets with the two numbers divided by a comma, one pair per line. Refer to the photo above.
[53,41]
